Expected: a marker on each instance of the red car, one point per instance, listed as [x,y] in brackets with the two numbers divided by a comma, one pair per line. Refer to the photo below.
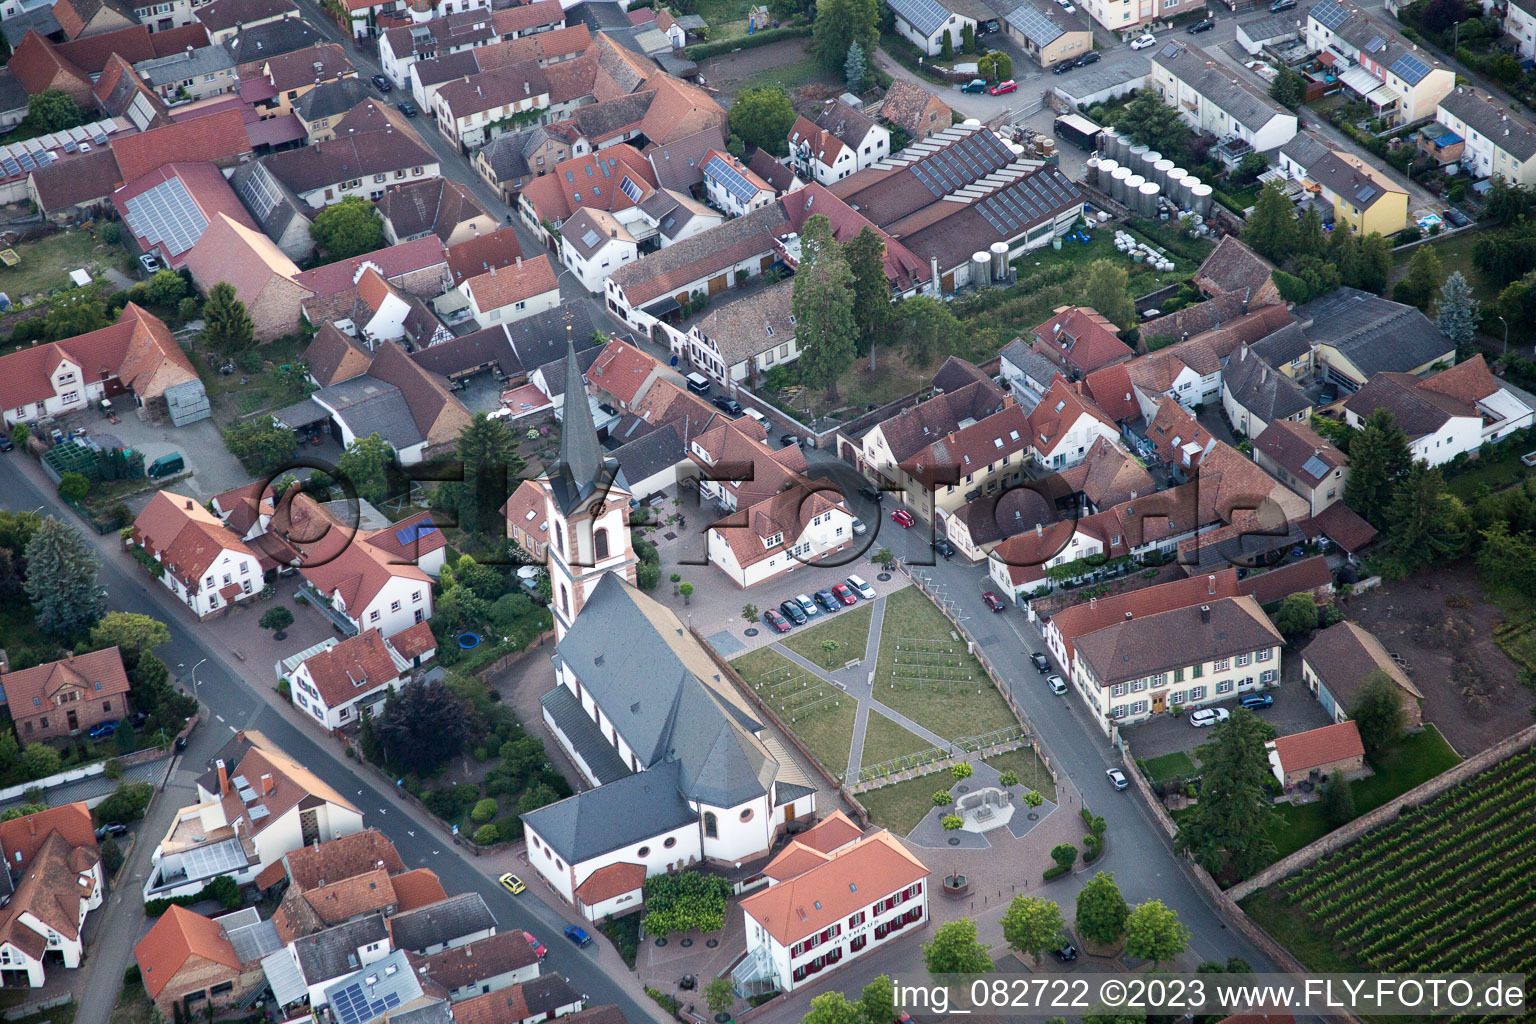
[843,594]
[777,621]
[992,601]
[903,518]
[1002,87]
[538,947]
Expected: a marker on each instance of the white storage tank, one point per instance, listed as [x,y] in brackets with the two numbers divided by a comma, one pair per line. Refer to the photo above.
[1133,157]
[1160,172]
[1149,160]
[1186,193]
[1107,167]
[1109,139]
[1132,190]
[971,122]
[999,261]
[1117,183]
[1200,199]
[1147,201]
[981,270]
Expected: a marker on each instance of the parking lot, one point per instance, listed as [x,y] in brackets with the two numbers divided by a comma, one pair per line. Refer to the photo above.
[1294,710]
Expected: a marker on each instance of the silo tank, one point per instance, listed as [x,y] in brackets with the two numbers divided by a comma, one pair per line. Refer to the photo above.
[1185,194]
[1107,166]
[1149,160]
[981,270]
[1147,202]
[1160,172]
[1116,188]
[1132,190]
[1133,157]
[1091,172]
[999,261]
[1200,199]
[1108,140]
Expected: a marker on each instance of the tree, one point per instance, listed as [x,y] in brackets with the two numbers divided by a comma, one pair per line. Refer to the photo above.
[1374,268]
[719,995]
[227,327]
[1106,289]
[1153,932]
[838,25]
[73,487]
[422,726]
[1031,924]
[1151,122]
[10,750]
[61,581]
[1378,459]
[683,903]
[823,305]
[855,67]
[1004,65]
[1101,910]
[40,760]
[367,462]
[165,288]
[925,328]
[763,118]
[968,38]
[1309,234]
[1271,230]
[962,771]
[277,618]
[1378,712]
[1297,614]
[1288,89]
[1456,311]
[124,741]
[54,110]
[955,950]
[1008,779]
[260,444]
[1338,803]
[1233,814]
[749,612]
[487,451]
[1424,275]
[736,147]
[348,228]
[877,1001]
[865,254]
[832,1008]
[947,46]
[1424,519]
[69,317]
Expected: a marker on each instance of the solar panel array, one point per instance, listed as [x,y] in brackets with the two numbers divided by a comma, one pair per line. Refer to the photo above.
[629,188]
[730,179]
[1376,43]
[589,239]
[962,163]
[1329,14]
[352,1006]
[1315,467]
[166,215]
[1035,26]
[411,534]
[1410,69]
[30,154]
[924,15]
[1024,204]
[261,192]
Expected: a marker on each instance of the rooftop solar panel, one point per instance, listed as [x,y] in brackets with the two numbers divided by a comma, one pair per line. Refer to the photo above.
[1410,69]
[730,179]
[26,162]
[924,15]
[1034,25]
[1329,14]
[167,215]
[1315,467]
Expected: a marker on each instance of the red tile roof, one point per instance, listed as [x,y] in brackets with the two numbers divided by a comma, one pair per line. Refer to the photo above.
[1110,389]
[37,65]
[1059,411]
[951,458]
[1342,525]
[1082,337]
[413,642]
[204,185]
[21,838]
[177,937]
[1319,748]
[1097,613]
[520,282]
[187,537]
[392,262]
[310,867]
[216,137]
[354,666]
[480,254]
[589,180]
[849,880]
[621,370]
[98,675]
[1293,578]
[610,881]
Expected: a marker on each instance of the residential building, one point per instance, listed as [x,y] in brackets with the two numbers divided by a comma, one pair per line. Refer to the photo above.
[615,180]
[678,165]
[887,446]
[434,206]
[869,140]
[1064,426]
[202,563]
[818,154]
[1185,657]
[983,457]
[1360,197]
[480,107]
[915,110]
[66,697]
[1189,371]
[1333,754]
[1215,101]
[162,209]
[833,896]
[1047,31]
[302,971]
[781,178]
[263,275]
[1340,658]
[488,965]
[1233,268]
[226,19]
[218,137]
[448,924]
[1027,372]
[512,160]
[363,164]
[319,109]
[592,243]
[741,339]
[53,879]
[190,960]
[255,805]
[1356,335]
[1454,411]
[1401,82]
[135,356]
[290,75]
[283,217]
[1178,439]
[335,680]
[1520,25]
[928,25]
[1079,340]
[1254,395]
[1106,477]
[1119,16]
[732,187]
[503,295]
[404,45]
[547,997]
[1061,629]
[193,74]
[1498,141]
[1303,460]
[80,18]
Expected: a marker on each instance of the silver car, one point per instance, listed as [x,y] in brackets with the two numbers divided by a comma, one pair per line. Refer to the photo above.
[1208,716]
[812,609]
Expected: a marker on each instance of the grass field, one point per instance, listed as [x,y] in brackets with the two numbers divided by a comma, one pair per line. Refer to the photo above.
[1455,253]
[46,263]
[827,731]
[1170,766]
[884,740]
[952,711]
[849,629]
[1499,471]
[790,77]
[900,807]
[1030,771]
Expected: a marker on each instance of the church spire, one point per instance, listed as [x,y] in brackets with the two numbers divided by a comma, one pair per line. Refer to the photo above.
[581,469]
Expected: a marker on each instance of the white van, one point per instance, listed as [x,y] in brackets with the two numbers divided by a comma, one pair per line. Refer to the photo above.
[698,383]
[759,417]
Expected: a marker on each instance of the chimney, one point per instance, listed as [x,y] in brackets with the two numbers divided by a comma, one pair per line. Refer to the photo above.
[1093,602]
[1210,584]
[1039,530]
[1127,616]
[266,784]
[1205,614]
[223,779]
[32,824]
[189,504]
[519,263]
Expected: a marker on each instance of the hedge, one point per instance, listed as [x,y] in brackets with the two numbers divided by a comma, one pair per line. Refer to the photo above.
[699,51]
[1057,871]
[224,889]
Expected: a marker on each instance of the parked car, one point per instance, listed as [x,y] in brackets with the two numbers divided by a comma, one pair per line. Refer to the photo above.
[792,611]
[1057,685]
[1001,87]
[1063,67]
[578,935]
[1201,26]
[1141,42]
[408,108]
[776,620]
[1065,951]
[6,444]
[512,884]
[975,85]
[138,718]
[1457,218]
[1328,393]
[1091,57]
[903,518]
[859,529]
[992,601]
[872,494]
[1208,716]
[861,588]
[539,949]
[943,547]
[149,263]
[382,84]
[827,601]
[842,592]
[1281,5]
[1117,778]
[808,606]
[104,729]
[788,439]
[180,744]
[1255,701]
[728,405]
[112,828]
[1042,663]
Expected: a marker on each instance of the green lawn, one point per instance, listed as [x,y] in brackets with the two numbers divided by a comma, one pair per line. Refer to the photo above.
[46,263]
[1455,253]
[790,77]
[1170,766]
[884,740]
[1030,770]
[900,807]
[848,629]
[262,389]
[827,731]
[1500,471]
[952,711]
[1416,760]
[1289,927]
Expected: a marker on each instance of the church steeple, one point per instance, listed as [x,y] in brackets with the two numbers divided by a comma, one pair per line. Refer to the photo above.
[581,471]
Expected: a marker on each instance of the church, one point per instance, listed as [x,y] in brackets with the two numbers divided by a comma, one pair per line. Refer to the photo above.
[684,770]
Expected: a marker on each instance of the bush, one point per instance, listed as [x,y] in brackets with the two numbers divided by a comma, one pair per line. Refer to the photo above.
[111,857]
[963,770]
[485,835]
[1055,871]
[952,822]
[942,798]
[131,975]
[699,51]
[127,803]
[223,888]
[1065,855]
[484,811]
[113,771]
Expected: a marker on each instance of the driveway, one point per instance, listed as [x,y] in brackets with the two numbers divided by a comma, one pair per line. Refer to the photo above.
[201,444]
[1294,711]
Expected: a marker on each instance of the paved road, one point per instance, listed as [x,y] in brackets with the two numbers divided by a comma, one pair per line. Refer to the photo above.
[239,697]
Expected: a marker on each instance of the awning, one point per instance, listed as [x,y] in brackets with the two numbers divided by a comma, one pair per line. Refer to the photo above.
[1369,86]
[661,307]
[302,414]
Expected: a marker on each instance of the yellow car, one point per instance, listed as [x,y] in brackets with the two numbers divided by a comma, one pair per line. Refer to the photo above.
[512,884]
